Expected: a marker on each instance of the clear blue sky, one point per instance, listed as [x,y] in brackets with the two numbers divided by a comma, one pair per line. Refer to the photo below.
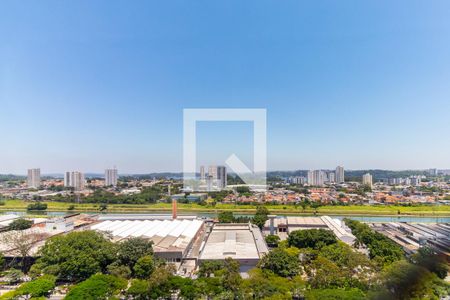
[85,85]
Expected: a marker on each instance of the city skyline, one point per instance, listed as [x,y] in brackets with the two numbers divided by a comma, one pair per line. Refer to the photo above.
[339,86]
[328,171]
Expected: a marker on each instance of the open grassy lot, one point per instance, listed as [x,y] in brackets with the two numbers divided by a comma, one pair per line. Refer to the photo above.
[420,210]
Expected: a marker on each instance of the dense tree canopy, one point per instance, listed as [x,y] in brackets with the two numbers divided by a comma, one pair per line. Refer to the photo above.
[311,238]
[97,287]
[281,262]
[77,255]
[403,280]
[381,249]
[131,250]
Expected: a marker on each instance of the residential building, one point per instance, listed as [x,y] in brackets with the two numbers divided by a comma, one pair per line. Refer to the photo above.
[212,172]
[316,177]
[202,173]
[34,178]
[331,177]
[221,177]
[74,179]
[340,174]
[367,179]
[111,177]
[416,180]
[297,180]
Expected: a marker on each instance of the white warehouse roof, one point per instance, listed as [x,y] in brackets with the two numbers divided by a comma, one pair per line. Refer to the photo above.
[167,235]
[238,241]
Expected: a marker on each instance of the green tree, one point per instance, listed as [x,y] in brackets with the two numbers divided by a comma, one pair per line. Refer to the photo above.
[226,217]
[403,280]
[327,274]
[139,290]
[98,286]
[259,220]
[231,279]
[280,262]
[311,238]
[160,286]
[382,250]
[335,294]
[209,287]
[37,206]
[260,217]
[20,224]
[132,249]
[432,261]
[77,255]
[263,284]
[185,287]
[272,240]
[207,268]
[119,270]
[144,267]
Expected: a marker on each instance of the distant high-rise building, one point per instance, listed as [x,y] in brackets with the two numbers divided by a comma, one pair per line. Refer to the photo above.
[75,180]
[209,183]
[331,177]
[216,178]
[367,179]
[34,178]
[433,172]
[212,171]
[67,179]
[416,180]
[316,177]
[111,177]
[340,174]
[221,177]
[297,180]
[202,173]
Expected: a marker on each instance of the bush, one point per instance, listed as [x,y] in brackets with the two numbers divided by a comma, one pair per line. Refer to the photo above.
[335,294]
[14,276]
[20,224]
[37,206]
[39,287]
[272,240]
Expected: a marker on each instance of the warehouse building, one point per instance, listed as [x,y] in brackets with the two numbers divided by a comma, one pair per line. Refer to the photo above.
[412,236]
[242,242]
[173,239]
[282,226]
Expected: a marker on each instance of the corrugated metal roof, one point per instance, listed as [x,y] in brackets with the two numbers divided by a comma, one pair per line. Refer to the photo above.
[166,234]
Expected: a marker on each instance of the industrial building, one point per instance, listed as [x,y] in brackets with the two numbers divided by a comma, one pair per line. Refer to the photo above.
[412,236]
[283,225]
[173,239]
[242,242]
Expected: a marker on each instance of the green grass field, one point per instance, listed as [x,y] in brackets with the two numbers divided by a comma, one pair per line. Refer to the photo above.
[420,210]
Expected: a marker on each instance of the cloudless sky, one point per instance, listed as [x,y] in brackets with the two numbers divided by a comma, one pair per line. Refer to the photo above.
[86,85]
